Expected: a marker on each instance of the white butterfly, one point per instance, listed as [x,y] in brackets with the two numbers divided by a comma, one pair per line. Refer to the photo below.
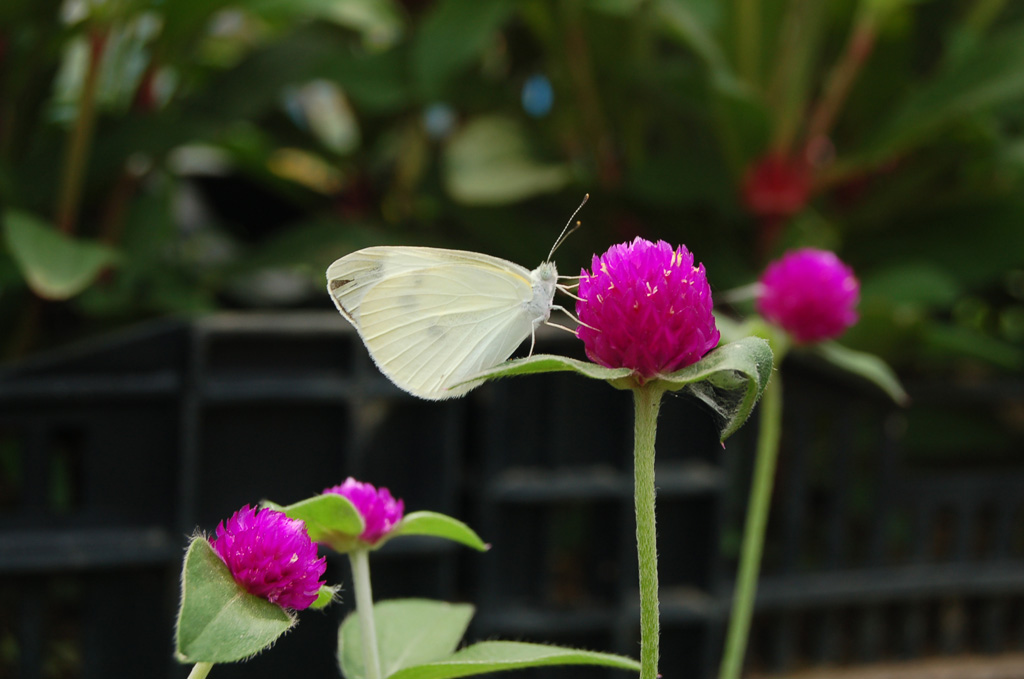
[433,318]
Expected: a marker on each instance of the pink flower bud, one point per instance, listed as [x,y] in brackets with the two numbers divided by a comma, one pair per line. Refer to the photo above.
[809,293]
[379,510]
[271,556]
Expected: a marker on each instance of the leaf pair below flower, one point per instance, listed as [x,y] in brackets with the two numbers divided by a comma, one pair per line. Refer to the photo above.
[730,378]
[218,620]
[333,520]
[417,639]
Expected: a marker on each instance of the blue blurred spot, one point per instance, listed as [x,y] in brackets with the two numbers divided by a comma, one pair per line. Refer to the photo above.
[538,96]
[439,120]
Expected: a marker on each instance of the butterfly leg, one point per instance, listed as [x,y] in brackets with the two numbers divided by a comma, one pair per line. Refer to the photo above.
[556,307]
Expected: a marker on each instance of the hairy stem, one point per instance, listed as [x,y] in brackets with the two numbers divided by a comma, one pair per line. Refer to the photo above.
[753,534]
[647,402]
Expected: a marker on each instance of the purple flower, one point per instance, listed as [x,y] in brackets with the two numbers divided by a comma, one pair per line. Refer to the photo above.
[379,510]
[271,556]
[646,307]
[809,293]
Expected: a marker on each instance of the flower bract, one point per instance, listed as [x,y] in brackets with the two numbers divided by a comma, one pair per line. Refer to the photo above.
[647,307]
[380,511]
[810,293]
[271,556]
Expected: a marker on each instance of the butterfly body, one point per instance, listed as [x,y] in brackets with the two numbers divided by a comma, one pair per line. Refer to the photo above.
[432,318]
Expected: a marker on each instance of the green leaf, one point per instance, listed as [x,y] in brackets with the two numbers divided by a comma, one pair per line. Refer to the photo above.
[730,379]
[436,525]
[218,620]
[330,519]
[988,76]
[549,363]
[450,36]
[56,266]
[495,656]
[489,163]
[683,24]
[863,365]
[409,632]
[915,284]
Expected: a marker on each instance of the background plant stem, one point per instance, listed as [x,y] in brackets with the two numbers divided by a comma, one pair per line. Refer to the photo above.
[73,171]
[647,402]
[360,560]
[747,21]
[753,534]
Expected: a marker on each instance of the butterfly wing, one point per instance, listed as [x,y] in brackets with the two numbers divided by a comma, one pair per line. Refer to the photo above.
[432,318]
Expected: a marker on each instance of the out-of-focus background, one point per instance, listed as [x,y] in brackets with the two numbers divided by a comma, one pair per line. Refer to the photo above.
[172,159]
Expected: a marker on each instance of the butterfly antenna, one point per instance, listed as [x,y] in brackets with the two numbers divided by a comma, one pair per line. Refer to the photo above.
[567,231]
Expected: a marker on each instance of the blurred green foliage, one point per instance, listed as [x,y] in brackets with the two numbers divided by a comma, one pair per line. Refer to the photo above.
[174,157]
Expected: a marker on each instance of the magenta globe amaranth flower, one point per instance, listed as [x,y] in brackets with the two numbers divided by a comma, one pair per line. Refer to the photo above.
[271,556]
[379,510]
[645,306]
[810,293]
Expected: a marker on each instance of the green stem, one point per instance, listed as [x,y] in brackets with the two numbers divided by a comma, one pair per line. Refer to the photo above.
[859,46]
[360,560]
[73,173]
[200,670]
[748,39]
[753,535]
[647,402]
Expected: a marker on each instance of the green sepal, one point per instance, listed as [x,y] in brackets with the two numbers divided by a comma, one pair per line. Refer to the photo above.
[330,519]
[863,365]
[436,525]
[409,632]
[743,366]
[325,596]
[740,368]
[219,621]
[495,656]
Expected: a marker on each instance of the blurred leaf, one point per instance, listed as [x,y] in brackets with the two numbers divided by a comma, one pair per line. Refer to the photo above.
[971,242]
[495,656]
[695,179]
[309,246]
[450,36]
[681,22]
[489,162]
[409,632]
[379,21]
[865,366]
[620,8]
[54,265]
[990,75]
[376,81]
[915,283]
[945,343]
